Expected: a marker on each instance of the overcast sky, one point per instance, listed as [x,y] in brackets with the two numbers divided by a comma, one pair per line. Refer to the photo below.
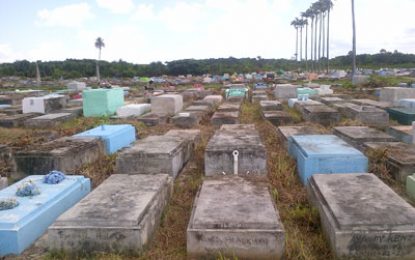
[142,31]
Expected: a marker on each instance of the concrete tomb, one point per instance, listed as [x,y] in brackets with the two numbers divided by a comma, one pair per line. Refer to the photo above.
[168,104]
[198,108]
[65,154]
[219,118]
[153,155]
[407,102]
[43,105]
[120,216]
[191,137]
[370,102]
[362,217]
[187,119]
[403,115]
[402,133]
[48,120]
[76,111]
[102,102]
[229,107]
[325,154]
[368,115]
[270,105]
[277,118]
[16,120]
[329,101]
[133,110]
[235,218]
[24,224]
[235,146]
[286,132]
[115,137]
[394,94]
[258,98]
[152,119]
[216,100]
[285,91]
[358,135]
[323,115]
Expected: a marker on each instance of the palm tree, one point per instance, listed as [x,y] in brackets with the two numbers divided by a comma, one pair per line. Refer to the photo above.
[307,14]
[99,43]
[302,23]
[312,16]
[328,5]
[316,9]
[354,42]
[296,24]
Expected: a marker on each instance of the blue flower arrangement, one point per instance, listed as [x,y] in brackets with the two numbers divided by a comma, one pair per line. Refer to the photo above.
[54,177]
[27,188]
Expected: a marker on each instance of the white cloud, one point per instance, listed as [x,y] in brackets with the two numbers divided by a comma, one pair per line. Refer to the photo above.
[7,54]
[144,12]
[117,6]
[73,15]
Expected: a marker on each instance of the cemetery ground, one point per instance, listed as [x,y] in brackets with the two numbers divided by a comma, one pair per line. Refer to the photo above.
[303,230]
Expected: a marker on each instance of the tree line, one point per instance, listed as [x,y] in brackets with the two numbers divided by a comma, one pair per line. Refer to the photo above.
[72,68]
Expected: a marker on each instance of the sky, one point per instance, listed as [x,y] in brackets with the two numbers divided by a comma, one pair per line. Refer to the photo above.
[143,31]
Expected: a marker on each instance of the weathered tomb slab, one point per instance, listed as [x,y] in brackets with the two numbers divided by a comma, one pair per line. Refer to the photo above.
[292,102]
[120,216]
[245,139]
[215,100]
[211,105]
[394,94]
[330,101]
[115,137]
[362,217]
[270,105]
[326,154]
[187,120]
[403,115]
[76,111]
[285,91]
[191,137]
[259,92]
[258,98]
[169,104]
[48,120]
[133,110]
[153,155]
[13,110]
[152,119]
[286,132]
[22,225]
[407,102]
[323,115]
[225,221]
[370,102]
[16,120]
[277,118]
[65,154]
[369,115]
[403,133]
[400,158]
[229,107]
[198,108]
[358,135]
[43,105]
[219,118]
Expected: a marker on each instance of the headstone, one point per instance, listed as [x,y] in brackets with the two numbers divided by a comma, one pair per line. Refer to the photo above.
[277,118]
[43,105]
[402,133]
[133,110]
[285,91]
[358,135]
[48,120]
[325,154]
[225,221]
[362,217]
[153,155]
[394,94]
[169,104]
[115,137]
[404,116]
[65,154]
[323,115]
[23,225]
[102,102]
[219,118]
[270,105]
[119,216]
[244,139]
[16,120]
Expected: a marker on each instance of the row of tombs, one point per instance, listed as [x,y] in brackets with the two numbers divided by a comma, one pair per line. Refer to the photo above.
[232,213]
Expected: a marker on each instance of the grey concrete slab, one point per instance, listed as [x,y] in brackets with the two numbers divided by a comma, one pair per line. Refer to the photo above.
[394,94]
[329,101]
[198,108]
[299,105]
[400,158]
[153,155]
[277,118]
[258,98]
[152,119]
[369,115]
[186,120]
[285,132]
[362,217]
[219,118]
[236,218]
[215,100]
[370,102]
[77,111]
[169,104]
[285,91]
[242,138]
[17,120]
[48,120]
[270,105]
[229,107]
[13,110]
[212,106]
[65,154]
[402,133]
[120,215]
[323,115]
[358,135]
[191,137]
